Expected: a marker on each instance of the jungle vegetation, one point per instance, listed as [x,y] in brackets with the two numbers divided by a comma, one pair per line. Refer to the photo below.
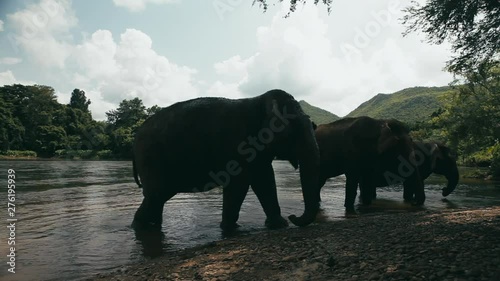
[466,115]
[34,124]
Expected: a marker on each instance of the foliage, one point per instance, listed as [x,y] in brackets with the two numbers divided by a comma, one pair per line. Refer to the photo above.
[79,100]
[128,113]
[153,110]
[20,153]
[32,119]
[124,121]
[495,161]
[318,115]
[105,154]
[471,120]
[293,4]
[472,27]
[410,105]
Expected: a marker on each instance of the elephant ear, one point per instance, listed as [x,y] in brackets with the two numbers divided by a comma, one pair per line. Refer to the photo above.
[435,153]
[272,108]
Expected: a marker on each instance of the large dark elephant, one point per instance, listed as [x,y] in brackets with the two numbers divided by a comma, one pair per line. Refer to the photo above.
[353,146]
[200,144]
[431,157]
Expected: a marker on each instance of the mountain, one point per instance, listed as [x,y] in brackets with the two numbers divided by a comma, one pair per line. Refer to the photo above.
[409,105]
[318,115]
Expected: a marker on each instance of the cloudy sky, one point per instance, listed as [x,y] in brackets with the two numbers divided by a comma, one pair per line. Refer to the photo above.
[165,51]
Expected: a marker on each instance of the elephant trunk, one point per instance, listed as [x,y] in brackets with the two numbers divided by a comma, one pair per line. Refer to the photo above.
[452,176]
[308,156]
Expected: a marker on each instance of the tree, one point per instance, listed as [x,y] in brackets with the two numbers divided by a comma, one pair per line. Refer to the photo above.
[152,110]
[123,122]
[128,113]
[472,27]
[11,130]
[293,4]
[471,119]
[79,100]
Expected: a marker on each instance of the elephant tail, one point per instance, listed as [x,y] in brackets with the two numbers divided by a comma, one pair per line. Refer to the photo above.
[136,177]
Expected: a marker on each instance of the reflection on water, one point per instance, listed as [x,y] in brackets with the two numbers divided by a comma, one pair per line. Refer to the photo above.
[74,216]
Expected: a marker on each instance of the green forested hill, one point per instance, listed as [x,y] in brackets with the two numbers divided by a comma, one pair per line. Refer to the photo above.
[318,115]
[408,105]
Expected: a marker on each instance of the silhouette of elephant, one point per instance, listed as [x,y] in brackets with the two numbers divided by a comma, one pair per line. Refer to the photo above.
[203,143]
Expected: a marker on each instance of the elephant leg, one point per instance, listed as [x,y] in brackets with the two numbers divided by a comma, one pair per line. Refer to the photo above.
[351,187]
[408,192]
[419,195]
[321,183]
[150,213]
[264,186]
[366,191]
[232,198]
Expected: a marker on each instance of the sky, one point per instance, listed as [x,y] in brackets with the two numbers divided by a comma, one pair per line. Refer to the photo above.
[166,51]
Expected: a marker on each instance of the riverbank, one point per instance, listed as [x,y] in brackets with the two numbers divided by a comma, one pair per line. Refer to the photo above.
[422,245]
[24,158]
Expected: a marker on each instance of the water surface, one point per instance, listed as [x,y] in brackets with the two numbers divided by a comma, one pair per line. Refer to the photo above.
[74,216]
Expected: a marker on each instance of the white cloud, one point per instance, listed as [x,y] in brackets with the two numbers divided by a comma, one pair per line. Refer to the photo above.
[130,68]
[234,67]
[10,60]
[302,56]
[108,70]
[1,25]
[42,30]
[8,78]
[139,5]
[234,72]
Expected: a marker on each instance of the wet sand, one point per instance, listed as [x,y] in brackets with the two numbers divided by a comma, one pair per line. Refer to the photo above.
[421,245]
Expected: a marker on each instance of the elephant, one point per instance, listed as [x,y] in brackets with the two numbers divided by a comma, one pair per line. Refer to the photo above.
[431,157]
[203,143]
[353,146]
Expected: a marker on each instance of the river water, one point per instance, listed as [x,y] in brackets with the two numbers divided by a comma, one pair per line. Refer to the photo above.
[74,216]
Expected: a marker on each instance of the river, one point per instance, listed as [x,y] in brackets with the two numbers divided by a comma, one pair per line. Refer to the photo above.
[74,216]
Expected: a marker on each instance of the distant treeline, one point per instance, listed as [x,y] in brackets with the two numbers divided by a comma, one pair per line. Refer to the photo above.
[34,124]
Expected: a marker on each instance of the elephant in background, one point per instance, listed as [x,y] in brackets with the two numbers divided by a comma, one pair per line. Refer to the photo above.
[203,143]
[431,157]
[353,146]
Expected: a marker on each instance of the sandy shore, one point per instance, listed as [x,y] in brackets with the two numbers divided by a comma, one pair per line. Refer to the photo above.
[423,245]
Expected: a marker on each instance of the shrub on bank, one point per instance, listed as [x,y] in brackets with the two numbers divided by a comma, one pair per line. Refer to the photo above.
[20,153]
[105,154]
[84,154]
[481,158]
[495,162]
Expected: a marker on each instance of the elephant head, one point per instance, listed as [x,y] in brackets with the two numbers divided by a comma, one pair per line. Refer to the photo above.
[443,163]
[295,142]
[402,155]
[392,155]
[372,137]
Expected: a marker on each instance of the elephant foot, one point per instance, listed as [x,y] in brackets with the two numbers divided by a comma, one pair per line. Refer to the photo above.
[409,199]
[366,201]
[145,226]
[350,210]
[276,222]
[419,199]
[228,226]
